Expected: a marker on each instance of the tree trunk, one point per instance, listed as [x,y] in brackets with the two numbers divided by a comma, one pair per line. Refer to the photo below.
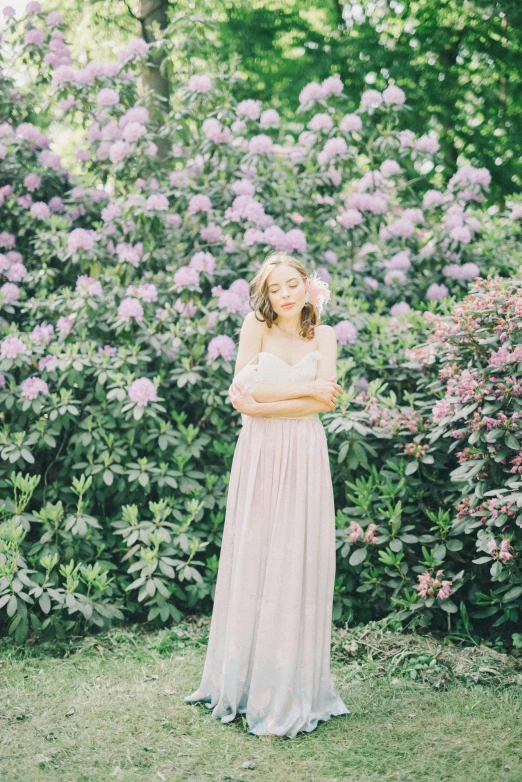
[152,12]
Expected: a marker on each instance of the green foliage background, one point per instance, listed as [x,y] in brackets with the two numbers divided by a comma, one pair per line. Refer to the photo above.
[459,63]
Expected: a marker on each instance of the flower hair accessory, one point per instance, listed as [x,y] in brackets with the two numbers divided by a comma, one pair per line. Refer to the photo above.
[318,291]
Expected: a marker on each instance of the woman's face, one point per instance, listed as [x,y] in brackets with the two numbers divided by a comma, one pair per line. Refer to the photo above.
[286,287]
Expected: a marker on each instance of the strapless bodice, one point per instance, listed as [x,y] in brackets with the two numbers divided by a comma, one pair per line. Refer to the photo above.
[272,369]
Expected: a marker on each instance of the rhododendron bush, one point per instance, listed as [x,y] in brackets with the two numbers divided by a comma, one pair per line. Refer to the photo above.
[124,281]
[443,468]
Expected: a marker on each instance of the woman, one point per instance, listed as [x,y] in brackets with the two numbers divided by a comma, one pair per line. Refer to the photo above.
[268,654]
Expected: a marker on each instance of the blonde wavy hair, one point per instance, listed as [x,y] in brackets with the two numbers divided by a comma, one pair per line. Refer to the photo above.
[260,302]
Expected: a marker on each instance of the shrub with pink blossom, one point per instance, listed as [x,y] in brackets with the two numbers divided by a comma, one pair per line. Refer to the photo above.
[480,414]
[129,277]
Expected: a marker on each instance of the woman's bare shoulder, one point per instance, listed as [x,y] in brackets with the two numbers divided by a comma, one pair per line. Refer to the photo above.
[252,324]
[325,335]
[252,332]
[323,328]
[250,340]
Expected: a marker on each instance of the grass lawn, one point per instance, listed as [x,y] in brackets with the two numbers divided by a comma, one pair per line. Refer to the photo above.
[111,707]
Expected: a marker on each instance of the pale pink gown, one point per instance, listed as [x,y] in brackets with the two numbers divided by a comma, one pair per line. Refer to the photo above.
[268,654]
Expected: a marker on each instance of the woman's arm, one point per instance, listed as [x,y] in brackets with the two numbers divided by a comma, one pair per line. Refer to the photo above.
[290,408]
[278,392]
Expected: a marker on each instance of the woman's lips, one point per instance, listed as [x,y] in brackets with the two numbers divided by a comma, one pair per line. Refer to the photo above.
[287,306]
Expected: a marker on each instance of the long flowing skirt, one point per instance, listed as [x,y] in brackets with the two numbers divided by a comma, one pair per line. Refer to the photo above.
[268,654]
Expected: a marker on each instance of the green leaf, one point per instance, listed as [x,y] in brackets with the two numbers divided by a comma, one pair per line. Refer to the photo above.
[496,569]
[411,467]
[357,557]
[108,477]
[439,552]
[512,594]
[512,442]
[45,603]
[485,613]
[11,606]
[465,411]
[448,606]
[167,569]
[407,538]
[454,545]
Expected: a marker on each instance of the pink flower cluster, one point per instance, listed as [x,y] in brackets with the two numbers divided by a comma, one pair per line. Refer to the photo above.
[81,239]
[9,292]
[333,148]
[314,91]
[134,50]
[65,324]
[358,532]
[33,386]
[235,298]
[12,346]
[48,364]
[416,450]
[199,203]
[250,109]
[466,386]
[437,292]
[40,210]
[214,131]
[130,308]
[147,291]
[504,552]
[401,308]
[142,391]
[31,134]
[211,233]
[221,346]
[292,240]
[199,83]
[203,262]
[465,271]
[428,585]
[186,276]
[130,253]
[505,355]
[87,286]
[260,144]
[108,350]
[244,207]
[467,175]
[157,202]
[43,332]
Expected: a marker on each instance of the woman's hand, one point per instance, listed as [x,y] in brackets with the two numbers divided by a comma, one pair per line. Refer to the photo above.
[326,390]
[242,400]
